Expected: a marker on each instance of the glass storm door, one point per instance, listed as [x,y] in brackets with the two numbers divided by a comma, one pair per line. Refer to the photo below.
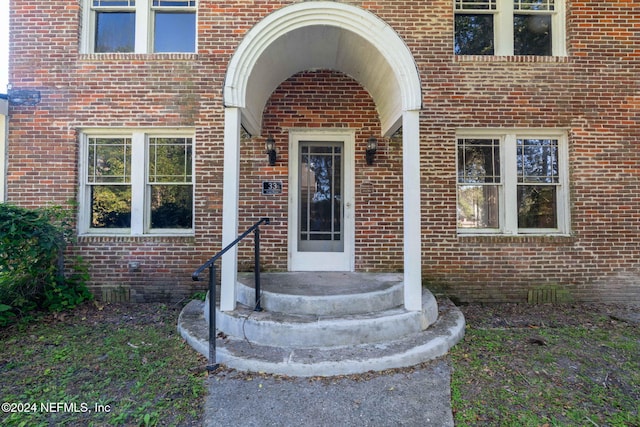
[321,232]
[320,204]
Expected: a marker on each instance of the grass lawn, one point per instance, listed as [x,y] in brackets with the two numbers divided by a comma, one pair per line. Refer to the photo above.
[124,364]
[100,365]
[546,366]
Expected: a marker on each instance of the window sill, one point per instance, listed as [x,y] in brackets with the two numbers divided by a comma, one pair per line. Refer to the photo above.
[511,59]
[517,238]
[103,237]
[130,56]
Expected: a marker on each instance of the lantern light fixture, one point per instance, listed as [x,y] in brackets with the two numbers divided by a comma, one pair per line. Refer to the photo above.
[270,145]
[372,148]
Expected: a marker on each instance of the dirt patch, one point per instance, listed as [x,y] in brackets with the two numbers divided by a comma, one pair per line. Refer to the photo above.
[545,315]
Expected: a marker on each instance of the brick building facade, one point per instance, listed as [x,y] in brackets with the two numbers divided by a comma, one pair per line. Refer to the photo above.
[507,138]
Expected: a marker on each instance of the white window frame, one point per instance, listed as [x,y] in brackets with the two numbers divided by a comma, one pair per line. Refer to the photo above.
[144,23]
[140,187]
[508,190]
[503,25]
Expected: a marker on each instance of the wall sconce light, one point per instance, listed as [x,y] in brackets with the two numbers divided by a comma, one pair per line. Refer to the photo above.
[372,147]
[271,150]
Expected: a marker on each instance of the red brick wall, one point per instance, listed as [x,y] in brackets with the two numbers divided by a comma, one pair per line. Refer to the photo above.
[327,100]
[594,93]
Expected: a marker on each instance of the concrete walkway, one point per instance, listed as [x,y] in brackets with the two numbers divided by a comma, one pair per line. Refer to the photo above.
[410,397]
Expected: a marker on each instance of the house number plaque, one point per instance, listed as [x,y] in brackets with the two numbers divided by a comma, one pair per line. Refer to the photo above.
[271,187]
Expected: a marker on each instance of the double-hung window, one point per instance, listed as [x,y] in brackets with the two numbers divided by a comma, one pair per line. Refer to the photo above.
[114,25]
[512,183]
[140,26]
[137,183]
[509,27]
[174,26]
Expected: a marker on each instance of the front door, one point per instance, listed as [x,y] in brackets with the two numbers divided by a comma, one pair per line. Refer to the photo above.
[321,205]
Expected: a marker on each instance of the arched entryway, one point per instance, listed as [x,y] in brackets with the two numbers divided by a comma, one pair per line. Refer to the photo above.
[328,35]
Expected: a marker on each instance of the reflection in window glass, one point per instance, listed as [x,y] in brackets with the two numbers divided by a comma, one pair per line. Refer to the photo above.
[109,174]
[479,182]
[534,4]
[538,179]
[537,206]
[479,160]
[475,4]
[115,32]
[474,34]
[174,32]
[170,182]
[478,206]
[171,206]
[537,161]
[532,35]
[109,160]
[111,206]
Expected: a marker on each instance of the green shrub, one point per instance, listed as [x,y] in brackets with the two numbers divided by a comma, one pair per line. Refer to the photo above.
[31,264]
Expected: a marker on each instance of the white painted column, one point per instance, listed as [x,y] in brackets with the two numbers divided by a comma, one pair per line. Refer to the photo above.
[231,183]
[412,214]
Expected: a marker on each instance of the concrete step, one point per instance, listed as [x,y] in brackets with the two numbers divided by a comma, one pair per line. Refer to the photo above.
[287,330]
[239,353]
[324,293]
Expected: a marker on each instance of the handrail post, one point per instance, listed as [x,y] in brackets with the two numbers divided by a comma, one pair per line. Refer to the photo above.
[256,261]
[212,366]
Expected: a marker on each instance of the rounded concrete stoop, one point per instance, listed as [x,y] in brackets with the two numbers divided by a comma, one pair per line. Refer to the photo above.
[338,294]
[305,344]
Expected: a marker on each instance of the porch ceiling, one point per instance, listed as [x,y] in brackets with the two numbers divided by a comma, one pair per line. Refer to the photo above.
[323,47]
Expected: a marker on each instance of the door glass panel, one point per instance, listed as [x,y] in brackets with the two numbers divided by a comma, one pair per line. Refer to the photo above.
[320,198]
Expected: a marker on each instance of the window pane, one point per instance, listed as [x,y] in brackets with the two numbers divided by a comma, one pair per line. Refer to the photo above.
[533,5]
[115,32]
[479,160]
[532,35]
[174,32]
[537,206]
[474,35]
[478,206]
[475,4]
[171,206]
[175,3]
[537,161]
[170,160]
[120,3]
[110,206]
[109,160]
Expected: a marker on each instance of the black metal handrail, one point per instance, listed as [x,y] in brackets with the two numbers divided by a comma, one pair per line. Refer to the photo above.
[211,265]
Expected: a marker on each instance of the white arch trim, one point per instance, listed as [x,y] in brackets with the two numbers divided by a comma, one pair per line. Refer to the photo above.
[360,22]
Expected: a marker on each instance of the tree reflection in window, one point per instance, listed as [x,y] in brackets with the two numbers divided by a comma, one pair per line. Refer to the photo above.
[109,175]
[538,181]
[532,35]
[170,182]
[320,192]
[474,34]
[479,181]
